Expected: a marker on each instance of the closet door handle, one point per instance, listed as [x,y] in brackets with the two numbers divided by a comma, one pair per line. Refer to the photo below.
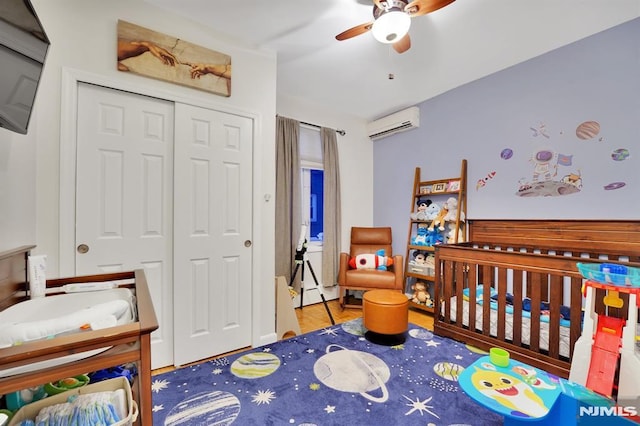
[82,248]
[247,243]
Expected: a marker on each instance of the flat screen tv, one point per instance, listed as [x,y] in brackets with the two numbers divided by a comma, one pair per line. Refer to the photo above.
[23,48]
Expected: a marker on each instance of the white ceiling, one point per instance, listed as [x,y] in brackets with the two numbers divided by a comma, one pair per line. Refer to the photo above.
[460,43]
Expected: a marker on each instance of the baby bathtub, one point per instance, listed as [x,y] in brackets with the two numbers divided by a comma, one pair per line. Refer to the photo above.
[53,316]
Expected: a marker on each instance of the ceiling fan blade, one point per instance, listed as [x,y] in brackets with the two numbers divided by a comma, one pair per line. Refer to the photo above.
[422,7]
[355,31]
[378,3]
[403,45]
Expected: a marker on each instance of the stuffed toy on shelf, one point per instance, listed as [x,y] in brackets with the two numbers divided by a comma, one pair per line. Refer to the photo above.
[421,294]
[452,210]
[427,237]
[440,220]
[426,210]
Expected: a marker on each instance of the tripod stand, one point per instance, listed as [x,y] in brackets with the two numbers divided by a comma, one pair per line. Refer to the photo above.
[300,259]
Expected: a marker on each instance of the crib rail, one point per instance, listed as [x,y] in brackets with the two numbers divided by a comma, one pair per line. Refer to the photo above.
[617,239]
[540,276]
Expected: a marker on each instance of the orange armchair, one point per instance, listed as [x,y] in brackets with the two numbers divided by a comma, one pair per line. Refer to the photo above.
[369,241]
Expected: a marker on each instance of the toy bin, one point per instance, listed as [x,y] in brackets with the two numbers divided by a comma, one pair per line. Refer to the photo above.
[611,273]
[127,408]
[421,269]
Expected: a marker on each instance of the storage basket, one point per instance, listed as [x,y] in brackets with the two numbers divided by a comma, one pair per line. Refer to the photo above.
[422,269]
[30,411]
[611,273]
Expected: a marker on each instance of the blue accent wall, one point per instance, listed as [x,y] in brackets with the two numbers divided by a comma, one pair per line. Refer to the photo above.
[555,137]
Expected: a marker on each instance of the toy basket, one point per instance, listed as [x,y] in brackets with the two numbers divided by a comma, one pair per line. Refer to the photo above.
[610,273]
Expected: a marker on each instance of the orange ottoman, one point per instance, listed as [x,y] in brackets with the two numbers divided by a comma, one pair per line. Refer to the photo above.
[385,316]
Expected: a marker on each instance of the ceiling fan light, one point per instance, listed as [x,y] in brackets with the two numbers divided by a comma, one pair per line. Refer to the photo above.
[391,26]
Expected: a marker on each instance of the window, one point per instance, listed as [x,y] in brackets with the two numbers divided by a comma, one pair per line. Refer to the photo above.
[312,202]
[312,183]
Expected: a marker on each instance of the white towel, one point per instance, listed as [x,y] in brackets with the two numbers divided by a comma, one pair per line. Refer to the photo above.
[27,331]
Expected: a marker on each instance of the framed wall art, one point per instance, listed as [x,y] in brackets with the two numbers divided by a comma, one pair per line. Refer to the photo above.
[453,186]
[163,57]
[439,187]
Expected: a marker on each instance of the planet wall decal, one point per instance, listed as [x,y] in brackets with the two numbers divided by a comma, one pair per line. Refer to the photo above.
[506,153]
[614,185]
[588,130]
[620,154]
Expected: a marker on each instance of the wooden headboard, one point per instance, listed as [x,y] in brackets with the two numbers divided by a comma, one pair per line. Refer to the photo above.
[14,276]
[621,238]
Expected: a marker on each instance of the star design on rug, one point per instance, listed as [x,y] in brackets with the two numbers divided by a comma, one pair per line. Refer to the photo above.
[398,347]
[159,385]
[217,371]
[330,409]
[157,408]
[310,350]
[420,406]
[263,397]
[266,350]
[330,331]
[458,356]
[432,343]
[221,361]
[314,386]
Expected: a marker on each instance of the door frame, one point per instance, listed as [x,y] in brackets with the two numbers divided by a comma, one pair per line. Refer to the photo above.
[68,145]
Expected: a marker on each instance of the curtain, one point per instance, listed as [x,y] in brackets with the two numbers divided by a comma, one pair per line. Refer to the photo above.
[288,196]
[332,222]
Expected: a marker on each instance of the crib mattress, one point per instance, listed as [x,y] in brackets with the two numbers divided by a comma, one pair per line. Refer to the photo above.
[52,316]
[526,323]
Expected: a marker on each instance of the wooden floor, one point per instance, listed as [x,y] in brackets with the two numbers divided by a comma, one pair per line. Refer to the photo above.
[315,317]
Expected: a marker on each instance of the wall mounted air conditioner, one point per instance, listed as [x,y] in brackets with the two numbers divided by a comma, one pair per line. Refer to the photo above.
[400,121]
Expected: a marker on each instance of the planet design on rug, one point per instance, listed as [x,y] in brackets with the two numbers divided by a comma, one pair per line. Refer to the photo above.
[420,334]
[347,370]
[205,408]
[255,365]
[354,327]
[448,370]
[475,350]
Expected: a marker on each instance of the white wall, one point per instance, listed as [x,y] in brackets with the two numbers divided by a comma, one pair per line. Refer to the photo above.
[83,36]
[17,189]
[355,152]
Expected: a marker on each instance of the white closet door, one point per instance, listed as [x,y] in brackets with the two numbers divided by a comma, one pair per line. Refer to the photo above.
[124,215]
[212,236]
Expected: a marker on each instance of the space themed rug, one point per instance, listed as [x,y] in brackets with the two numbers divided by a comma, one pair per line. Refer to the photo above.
[332,376]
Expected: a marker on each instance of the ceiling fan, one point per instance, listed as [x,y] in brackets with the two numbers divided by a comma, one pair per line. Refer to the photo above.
[392,19]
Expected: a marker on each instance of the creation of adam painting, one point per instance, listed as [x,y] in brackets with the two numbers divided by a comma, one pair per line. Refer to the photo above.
[152,54]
